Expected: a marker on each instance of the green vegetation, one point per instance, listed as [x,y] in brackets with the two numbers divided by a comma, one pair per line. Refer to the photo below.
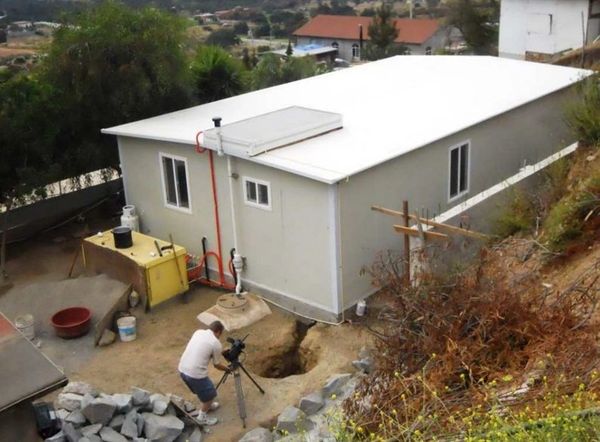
[584,114]
[271,70]
[217,74]
[223,37]
[477,21]
[382,33]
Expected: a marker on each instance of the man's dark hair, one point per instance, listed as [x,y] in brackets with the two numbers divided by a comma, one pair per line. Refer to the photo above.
[216,327]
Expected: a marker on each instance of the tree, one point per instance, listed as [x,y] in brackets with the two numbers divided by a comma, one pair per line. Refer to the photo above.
[223,37]
[474,22]
[114,65]
[26,131]
[382,34]
[216,74]
[241,28]
[271,70]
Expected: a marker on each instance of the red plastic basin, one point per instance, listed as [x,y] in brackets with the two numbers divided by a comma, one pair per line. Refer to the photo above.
[71,322]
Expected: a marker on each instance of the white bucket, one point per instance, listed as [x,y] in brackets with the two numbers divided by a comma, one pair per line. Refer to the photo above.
[24,324]
[126,327]
[361,307]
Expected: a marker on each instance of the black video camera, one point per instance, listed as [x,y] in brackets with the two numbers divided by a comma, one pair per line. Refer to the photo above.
[232,354]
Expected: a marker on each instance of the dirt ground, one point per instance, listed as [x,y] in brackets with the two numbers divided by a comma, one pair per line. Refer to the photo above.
[151,360]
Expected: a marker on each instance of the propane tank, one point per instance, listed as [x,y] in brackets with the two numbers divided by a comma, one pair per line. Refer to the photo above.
[130,219]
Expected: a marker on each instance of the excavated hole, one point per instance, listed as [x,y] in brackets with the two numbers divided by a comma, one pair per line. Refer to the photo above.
[289,358]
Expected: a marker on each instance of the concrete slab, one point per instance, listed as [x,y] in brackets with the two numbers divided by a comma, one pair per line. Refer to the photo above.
[254,310]
[43,299]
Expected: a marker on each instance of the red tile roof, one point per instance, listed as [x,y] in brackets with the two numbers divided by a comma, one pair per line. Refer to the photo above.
[415,31]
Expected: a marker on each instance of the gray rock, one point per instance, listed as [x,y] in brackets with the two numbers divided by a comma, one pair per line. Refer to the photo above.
[117,422]
[81,388]
[62,414]
[159,403]
[140,424]
[189,406]
[364,352]
[140,396]
[100,410]
[71,433]
[58,437]
[130,426]
[257,435]
[85,439]
[292,420]
[109,435]
[335,383]
[163,428]
[76,418]
[124,402]
[107,338]
[176,400]
[92,438]
[87,398]
[91,429]
[140,439]
[190,434]
[312,403]
[69,401]
[364,365]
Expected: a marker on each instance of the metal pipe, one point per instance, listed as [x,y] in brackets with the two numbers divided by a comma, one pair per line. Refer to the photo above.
[206,272]
[231,256]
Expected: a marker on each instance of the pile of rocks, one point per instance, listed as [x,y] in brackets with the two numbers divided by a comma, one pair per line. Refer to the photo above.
[88,415]
[311,419]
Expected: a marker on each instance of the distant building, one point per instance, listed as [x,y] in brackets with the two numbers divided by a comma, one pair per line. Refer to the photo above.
[318,52]
[539,29]
[206,18]
[419,36]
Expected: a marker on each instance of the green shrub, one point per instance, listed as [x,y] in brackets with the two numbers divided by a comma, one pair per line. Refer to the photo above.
[583,115]
[518,216]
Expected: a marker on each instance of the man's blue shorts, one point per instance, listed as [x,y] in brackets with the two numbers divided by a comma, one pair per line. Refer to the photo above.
[203,388]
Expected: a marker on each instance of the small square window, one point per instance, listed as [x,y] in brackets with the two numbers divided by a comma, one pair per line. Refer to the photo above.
[257,193]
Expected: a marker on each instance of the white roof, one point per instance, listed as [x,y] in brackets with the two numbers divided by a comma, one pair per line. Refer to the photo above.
[389,108]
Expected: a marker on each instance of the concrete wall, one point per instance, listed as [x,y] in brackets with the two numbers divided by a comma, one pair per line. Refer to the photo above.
[541,26]
[499,148]
[287,248]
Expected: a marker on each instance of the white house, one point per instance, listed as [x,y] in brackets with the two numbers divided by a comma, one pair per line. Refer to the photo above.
[538,29]
[289,178]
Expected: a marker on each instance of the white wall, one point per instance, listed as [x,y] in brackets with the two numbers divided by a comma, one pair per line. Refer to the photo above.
[541,26]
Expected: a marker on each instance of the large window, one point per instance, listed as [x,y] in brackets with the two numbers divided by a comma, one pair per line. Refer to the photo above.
[175,182]
[355,51]
[459,170]
[257,193]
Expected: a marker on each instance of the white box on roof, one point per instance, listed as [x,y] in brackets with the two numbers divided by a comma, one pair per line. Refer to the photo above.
[269,131]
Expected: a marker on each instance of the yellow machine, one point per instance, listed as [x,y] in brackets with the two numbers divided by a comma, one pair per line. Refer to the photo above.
[156,278]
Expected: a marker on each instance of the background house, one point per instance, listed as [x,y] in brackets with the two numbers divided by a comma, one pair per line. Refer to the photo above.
[538,29]
[420,36]
[303,162]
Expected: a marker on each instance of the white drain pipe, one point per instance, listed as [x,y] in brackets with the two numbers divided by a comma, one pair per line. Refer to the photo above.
[237,261]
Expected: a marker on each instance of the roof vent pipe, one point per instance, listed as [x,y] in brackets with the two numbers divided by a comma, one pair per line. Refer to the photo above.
[217,122]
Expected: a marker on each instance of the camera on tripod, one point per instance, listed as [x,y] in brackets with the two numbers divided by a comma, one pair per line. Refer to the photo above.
[232,354]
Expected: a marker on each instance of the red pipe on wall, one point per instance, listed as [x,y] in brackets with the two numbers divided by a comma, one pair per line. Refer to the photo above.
[213,180]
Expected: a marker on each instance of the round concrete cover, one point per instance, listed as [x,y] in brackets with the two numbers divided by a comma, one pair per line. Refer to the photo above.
[232,302]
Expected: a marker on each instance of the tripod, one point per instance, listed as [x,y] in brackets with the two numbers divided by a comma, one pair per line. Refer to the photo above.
[234,368]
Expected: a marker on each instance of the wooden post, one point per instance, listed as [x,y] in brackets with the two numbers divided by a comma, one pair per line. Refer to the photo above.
[406,245]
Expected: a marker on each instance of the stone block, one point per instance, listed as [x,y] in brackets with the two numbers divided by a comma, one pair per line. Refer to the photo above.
[130,426]
[164,428]
[257,435]
[58,437]
[100,410]
[117,422]
[335,383]
[124,402]
[71,433]
[364,365]
[312,403]
[109,435]
[80,388]
[69,401]
[160,403]
[140,397]
[292,420]
[93,438]
[91,429]
[107,338]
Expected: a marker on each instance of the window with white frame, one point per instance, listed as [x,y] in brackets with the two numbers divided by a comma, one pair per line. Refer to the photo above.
[257,193]
[175,181]
[459,170]
[355,51]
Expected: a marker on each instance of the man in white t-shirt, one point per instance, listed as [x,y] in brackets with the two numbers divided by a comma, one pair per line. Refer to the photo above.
[193,368]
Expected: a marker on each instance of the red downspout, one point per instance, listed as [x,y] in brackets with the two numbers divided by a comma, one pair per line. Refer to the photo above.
[201,149]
